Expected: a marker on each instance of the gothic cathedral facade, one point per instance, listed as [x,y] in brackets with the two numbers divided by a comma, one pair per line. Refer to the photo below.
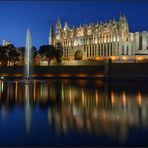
[111,38]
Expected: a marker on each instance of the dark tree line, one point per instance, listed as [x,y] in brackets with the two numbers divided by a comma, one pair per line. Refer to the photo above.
[8,53]
[12,54]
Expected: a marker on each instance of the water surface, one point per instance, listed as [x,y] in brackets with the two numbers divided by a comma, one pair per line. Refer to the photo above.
[73,113]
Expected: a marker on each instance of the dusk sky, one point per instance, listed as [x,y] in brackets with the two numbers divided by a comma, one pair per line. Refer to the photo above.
[15,17]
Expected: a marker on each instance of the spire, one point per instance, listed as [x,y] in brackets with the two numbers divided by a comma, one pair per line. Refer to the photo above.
[122,17]
[58,24]
[51,35]
[114,20]
[65,26]
[51,30]
[97,22]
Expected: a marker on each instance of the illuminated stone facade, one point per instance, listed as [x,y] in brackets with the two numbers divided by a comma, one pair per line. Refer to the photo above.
[5,42]
[110,38]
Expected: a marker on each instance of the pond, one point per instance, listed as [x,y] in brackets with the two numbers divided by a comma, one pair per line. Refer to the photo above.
[73,113]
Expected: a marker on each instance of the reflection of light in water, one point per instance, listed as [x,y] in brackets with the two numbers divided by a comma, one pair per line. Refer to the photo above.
[70,96]
[0,89]
[16,90]
[2,86]
[139,99]
[62,92]
[112,97]
[82,82]
[28,108]
[57,123]
[96,95]
[45,91]
[96,118]
[41,88]
[77,111]
[4,113]
[49,115]
[83,101]
[124,98]
[34,90]
[8,91]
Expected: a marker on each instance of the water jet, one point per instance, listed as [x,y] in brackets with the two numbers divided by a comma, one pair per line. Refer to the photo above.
[28,55]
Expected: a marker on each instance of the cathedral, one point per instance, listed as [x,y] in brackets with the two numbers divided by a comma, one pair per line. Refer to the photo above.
[101,39]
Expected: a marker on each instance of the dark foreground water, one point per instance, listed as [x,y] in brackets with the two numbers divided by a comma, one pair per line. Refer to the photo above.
[73,113]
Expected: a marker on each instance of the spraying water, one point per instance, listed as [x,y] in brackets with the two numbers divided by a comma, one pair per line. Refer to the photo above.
[28,54]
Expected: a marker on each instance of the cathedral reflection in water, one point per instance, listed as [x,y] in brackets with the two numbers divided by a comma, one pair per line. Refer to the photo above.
[91,106]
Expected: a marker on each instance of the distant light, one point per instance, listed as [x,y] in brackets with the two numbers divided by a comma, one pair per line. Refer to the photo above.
[2,77]
[124,58]
[26,77]
[139,58]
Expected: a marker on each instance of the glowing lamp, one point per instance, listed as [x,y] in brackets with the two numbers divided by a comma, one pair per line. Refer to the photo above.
[2,77]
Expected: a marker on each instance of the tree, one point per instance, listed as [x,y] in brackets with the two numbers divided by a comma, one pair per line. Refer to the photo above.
[12,53]
[38,59]
[34,53]
[48,51]
[3,56]
[21,52]
[58,52]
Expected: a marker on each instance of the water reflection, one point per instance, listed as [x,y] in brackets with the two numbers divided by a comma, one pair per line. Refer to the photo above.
[82,106]
[27,107]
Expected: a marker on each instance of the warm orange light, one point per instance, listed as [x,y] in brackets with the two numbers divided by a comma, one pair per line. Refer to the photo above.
[65,75]
[16,90]
[112,97]
[18,75]
[114,58]
[70,94]
[124,98]
[48,75]
[96,93]
[34,90]
[82,75]
[82,82]
[139,58]
[139,99]
[97,58]
[124,58]
[82,96]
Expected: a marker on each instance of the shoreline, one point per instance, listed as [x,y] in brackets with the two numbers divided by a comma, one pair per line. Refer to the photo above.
[108,71]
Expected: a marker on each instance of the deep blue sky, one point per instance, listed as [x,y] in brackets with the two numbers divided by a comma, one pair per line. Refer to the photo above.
[38,15]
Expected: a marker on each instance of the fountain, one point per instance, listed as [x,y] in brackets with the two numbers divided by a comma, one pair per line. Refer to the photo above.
[28,68]
[28,54]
